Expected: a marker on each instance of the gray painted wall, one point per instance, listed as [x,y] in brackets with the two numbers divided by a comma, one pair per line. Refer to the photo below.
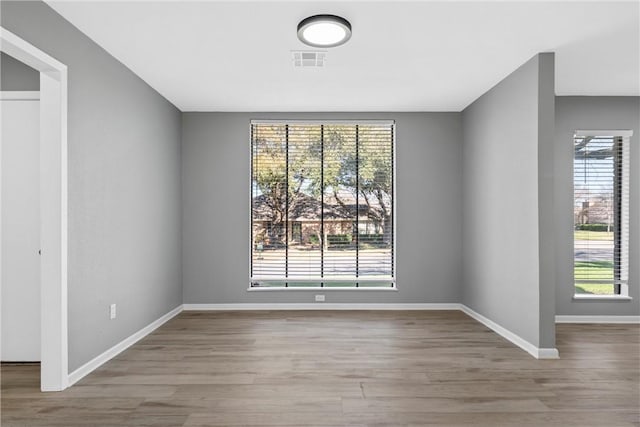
[14,75]
[601,113]
[215,184]
[124,187]
[546,219]
[501,132]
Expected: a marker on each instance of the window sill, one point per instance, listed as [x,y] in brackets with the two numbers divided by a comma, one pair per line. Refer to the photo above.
[581,297]
[323,289]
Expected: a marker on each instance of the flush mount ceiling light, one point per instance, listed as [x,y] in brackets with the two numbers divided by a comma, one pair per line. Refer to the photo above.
[324,31]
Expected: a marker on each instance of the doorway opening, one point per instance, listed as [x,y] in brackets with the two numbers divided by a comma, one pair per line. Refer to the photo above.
[20,115]
[53,208]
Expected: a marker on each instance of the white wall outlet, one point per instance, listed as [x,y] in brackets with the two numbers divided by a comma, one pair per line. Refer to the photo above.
[112,311]
[319,298]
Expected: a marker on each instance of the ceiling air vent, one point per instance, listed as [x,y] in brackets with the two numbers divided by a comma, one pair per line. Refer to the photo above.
[308,58]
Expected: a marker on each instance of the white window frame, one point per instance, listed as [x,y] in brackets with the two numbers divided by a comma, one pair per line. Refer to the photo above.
[393,280]
[626,141]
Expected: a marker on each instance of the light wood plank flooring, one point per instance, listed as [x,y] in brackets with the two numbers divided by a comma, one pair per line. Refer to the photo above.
[361,368]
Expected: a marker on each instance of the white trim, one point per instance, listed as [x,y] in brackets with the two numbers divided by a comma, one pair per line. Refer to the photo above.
[537,352]
[92,365]
[53,207]
[597,319]
[394,199]
[547,353]
[325,279]
[623,207]
[27,53]
[319,306]
[604,132]
[250,210]
[321,289]
[19,95]
[594,297]
[109,354]
[323,121]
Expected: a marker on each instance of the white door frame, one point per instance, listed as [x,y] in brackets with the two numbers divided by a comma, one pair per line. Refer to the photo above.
[53,208]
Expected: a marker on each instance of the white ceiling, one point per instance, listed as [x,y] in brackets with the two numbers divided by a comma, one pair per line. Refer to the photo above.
[403,56]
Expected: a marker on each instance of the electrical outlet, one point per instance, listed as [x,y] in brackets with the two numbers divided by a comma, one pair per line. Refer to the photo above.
[112,311]
[319,298]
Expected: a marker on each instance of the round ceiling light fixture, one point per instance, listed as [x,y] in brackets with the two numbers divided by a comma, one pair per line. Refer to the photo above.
[324,31]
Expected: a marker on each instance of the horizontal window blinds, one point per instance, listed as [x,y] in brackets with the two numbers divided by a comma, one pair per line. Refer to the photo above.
[601,213]
[322,204]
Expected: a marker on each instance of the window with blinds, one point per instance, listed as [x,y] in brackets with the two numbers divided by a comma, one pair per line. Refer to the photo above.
[601,213]
[322,204]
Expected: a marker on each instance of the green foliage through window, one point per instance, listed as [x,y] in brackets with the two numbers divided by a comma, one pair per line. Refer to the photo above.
[322,202]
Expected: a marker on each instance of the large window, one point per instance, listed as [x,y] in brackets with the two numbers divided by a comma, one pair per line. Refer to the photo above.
[322,204]
[601,213]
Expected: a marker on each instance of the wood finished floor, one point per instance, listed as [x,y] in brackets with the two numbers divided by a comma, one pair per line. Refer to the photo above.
[342,369]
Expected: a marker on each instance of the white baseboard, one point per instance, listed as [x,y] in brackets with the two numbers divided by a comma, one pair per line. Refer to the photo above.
[320,306]
[109,354]
[537,352]
[547,353]
[597,319]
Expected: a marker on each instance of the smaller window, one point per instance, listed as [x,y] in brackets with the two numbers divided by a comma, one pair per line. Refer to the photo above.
[601,212]
[296,231]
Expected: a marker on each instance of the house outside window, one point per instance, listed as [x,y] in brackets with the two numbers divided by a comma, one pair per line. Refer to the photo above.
[322,204]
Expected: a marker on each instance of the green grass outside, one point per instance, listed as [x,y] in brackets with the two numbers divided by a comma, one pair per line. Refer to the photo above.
[606,289]
[592,235]
[594,270]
